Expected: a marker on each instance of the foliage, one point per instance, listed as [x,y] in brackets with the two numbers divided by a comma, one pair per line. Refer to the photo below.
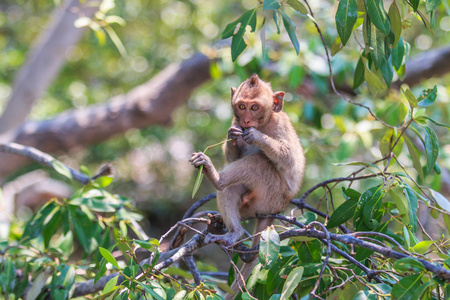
[396,140]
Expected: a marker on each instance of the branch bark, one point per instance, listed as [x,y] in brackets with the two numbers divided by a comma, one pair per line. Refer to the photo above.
[151,103]
[45,60]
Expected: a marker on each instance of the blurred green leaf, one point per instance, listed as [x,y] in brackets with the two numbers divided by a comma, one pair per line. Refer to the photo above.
[432,4]
[62,169]
[7,275]
[62,283]
[422,247]
[441,200]
[309,252]
[407,287]
[415,157]
[108,256]
[358,78]
[408,264]
[298,6]
[290,28]
[343,213]
[396,22]
[271,4]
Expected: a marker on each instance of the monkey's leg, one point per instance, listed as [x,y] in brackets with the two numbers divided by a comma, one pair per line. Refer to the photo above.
[229,201]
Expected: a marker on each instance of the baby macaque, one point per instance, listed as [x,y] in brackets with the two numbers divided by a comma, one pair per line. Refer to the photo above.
[265,160]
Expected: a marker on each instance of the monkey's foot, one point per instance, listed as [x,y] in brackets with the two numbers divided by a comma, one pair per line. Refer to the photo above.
[228,239]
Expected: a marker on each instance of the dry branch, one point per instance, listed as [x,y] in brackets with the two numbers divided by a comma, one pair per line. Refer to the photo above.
[45,60]
[151,103]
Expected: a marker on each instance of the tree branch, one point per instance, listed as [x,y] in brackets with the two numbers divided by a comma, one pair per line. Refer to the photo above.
[151,103]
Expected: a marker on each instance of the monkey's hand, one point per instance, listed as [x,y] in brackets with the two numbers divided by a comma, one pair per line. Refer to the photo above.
[252,136]
[201,159]
[235,132]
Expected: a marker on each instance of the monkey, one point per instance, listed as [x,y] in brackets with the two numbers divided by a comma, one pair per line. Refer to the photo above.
[264,156]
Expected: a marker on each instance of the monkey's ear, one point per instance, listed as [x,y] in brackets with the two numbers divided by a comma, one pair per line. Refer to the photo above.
[233,90]
[278,101]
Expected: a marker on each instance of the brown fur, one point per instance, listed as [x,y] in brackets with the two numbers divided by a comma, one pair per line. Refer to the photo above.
[265,161]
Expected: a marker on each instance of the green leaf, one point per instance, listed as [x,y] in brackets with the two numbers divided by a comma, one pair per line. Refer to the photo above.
[409,264]
[387,71]
[415,157]
[378,15]
[376,40]
[198,181]
[371,78]
[36,225]
[269,247]
[271,4]
[411,199]
[371,208]
[290,28]
[345,18]
[151,244]
[427,97]
[343,213]
[358,78]
[62,283]
[423,246]
[441,200]
[62,169]
[410,97]
[104,181]
[432,148]
[150,290]
[401,203]
[432,4]
[7,275]
[309,252]
[415,4]
[82,226]
[361,217]
[237,30]
[396,22]
[292,281]
[108,256]
[298,6]
[406,287]
[436,122]
[386,142]
[280,268]
[398,54]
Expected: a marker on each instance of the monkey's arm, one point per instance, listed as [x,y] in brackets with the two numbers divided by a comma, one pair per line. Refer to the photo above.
[276,150]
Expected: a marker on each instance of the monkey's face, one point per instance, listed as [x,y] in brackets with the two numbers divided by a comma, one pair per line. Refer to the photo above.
[250,113]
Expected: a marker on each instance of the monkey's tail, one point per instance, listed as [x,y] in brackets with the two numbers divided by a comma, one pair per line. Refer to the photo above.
[247,268]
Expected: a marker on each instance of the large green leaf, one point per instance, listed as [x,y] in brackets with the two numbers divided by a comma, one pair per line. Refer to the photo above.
[398,54]
[376,40]
[387,71]
[432,148]
[269,247]
[378,15]
[36,225]
[406,288]
[345,18]
[371,78]
[343,213]
[292,281]
[82,226]
[290,28]
[408,264]
[396,22]
[401,203]
[109,257]
[441,200]
[370,210]
[309,252]
[237,30]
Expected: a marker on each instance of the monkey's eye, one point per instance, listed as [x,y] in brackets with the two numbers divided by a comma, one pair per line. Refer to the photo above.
[242,106]
[254,107]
